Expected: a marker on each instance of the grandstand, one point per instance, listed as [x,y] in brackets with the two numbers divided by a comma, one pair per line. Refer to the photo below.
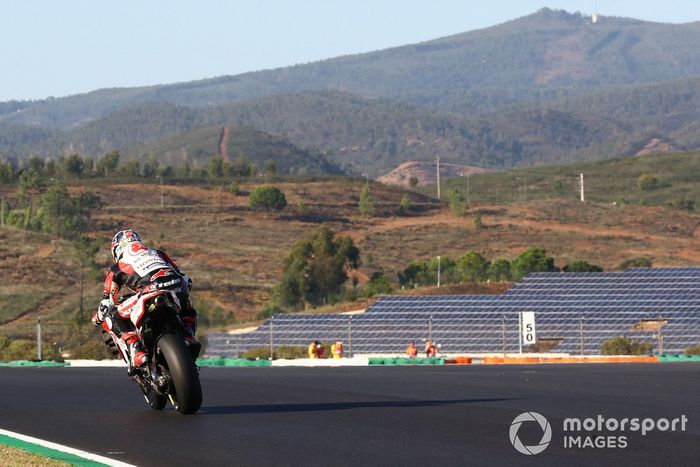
[575,313]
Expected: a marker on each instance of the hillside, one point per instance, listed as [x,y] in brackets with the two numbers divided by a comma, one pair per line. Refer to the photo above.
[231,142]
[547,88]
[609,182]
[360,135]
[235,255]
[534,58]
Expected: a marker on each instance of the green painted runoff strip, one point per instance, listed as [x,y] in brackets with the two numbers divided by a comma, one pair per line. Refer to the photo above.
[405,361]
[232,362]
[679,358]
[33,363]
[48,452]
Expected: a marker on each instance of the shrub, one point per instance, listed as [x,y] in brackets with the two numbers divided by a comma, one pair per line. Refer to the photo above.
[682,203]
[262,353]
[581,266]
[623,346]
[267,198]
[19,349]
[290,352]
[532,260]
[413,181]
[283,351]
[405,205]
[472,266]
[500,270]
[233,188]
[366,203]
[693,350]
[478,223]
[640,262]
[457,202]
[377,284]
[647,182]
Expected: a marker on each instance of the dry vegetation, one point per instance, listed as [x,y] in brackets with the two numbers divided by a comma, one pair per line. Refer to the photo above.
[234,255]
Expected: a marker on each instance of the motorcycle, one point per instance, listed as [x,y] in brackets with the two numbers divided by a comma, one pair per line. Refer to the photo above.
[171,374]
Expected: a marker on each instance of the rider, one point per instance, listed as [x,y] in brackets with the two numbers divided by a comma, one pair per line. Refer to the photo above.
[137,265]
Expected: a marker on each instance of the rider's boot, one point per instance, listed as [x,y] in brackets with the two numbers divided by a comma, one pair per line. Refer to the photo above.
[190,325]
[138,356]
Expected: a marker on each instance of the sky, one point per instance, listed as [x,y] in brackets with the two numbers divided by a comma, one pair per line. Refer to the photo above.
[58,48]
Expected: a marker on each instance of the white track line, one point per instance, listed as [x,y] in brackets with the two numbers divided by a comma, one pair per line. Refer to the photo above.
[66,449]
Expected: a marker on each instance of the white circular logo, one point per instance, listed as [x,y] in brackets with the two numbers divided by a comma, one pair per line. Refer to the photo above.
[546,433]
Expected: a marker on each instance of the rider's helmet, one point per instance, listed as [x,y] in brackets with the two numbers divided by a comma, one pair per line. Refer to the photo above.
[121,240]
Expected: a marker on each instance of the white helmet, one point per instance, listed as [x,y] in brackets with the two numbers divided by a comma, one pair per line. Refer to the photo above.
[122,239]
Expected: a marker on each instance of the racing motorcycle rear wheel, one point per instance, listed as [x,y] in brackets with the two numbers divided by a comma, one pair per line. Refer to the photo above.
[186,391]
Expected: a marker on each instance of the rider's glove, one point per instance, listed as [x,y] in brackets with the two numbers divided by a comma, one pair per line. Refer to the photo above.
[102,311]
[186,279]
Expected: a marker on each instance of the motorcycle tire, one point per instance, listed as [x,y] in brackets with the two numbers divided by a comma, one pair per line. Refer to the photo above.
[187,394]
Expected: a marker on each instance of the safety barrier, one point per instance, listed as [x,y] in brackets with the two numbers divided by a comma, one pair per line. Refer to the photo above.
[406,361]
[33,363]
[679,358]
[232,362]
[570,359]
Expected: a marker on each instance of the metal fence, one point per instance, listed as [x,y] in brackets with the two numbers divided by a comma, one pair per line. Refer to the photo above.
[459,333]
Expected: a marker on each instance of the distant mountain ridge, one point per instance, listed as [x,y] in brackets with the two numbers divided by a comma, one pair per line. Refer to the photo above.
[547,87]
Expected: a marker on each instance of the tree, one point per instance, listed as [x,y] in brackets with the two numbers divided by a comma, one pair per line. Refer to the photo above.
[456,201]
[131,168]
[366,203]
[7,173]
[241,166]
[270,169]
[267,197]
[74,166]
[473,267]
[580,265]
[377,284]
[36,164]
[316,269]
[183,169]
[150,168]
[84,251]
[216,166]
[532,260]
[413,181]
[405,205]
[56,213]
[87,202]
[107,164]
[500,270]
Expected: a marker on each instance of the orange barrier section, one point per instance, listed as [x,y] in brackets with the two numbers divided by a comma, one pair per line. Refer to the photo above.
[591,359]
[459,361]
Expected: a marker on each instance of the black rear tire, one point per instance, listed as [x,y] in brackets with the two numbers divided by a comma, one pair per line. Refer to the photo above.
[187,396]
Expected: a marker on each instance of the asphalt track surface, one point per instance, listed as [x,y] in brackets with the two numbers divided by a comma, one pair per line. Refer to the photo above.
[422,416]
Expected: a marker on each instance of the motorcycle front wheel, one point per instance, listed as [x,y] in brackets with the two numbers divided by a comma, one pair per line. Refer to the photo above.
[186,391]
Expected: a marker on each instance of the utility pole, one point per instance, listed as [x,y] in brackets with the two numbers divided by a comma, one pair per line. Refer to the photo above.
[161,191]
[38,338]
[438,278]
[583,199]
[437,166]
[467,189]
[2,211]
